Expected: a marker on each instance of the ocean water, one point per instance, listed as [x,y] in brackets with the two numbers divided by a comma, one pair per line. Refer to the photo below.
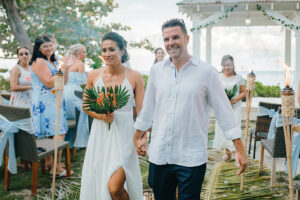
[268,77]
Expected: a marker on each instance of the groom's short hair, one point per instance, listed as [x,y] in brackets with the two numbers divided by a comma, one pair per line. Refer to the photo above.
[175,22]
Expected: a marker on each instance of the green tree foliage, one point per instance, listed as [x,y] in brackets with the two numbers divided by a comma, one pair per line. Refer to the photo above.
[70,21]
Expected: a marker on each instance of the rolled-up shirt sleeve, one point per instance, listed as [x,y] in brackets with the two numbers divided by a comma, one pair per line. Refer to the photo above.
[145,119]
[221,106]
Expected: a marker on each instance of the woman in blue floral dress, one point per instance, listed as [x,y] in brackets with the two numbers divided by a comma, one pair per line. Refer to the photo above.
[44,66]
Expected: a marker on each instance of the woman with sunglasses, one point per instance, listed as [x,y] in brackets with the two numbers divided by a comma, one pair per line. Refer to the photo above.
[20,82]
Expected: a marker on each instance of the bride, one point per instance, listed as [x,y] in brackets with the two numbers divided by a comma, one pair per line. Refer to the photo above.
[111,167]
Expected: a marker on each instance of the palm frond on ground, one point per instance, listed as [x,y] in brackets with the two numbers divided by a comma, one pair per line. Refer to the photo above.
[221,181]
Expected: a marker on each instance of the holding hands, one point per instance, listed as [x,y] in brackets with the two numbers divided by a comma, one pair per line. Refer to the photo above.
[140,142]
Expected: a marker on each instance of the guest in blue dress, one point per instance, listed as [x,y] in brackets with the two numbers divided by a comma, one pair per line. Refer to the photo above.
[77,76]
[44,66]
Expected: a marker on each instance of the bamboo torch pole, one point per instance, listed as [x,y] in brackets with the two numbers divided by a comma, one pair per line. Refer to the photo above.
[249,94]
[58,87]
[288,113]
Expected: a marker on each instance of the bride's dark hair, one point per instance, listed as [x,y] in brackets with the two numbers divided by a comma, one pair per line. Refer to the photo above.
[122,44]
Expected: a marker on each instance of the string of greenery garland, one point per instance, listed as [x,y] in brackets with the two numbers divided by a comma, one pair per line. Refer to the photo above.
[282,21]
[224,16]
[259,8]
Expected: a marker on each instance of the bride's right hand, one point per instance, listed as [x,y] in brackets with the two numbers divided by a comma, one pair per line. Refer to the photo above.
[107,118]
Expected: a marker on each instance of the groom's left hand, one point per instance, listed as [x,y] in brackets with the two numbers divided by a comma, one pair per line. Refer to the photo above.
[240,156]
[242,161]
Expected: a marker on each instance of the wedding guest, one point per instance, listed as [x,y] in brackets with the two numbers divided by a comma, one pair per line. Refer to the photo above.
[54,46]
[179,92]
[44,66]
[20,82]
[159,54]
[111,167]
[235,87]
[77,77]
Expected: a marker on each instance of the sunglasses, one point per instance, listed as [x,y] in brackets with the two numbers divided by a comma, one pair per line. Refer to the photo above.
[181,20]
[26,54]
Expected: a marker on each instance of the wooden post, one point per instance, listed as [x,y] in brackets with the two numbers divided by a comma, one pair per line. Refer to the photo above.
[261,162]
[288,112]
[59,87]
[273,173]
[7,175]
[249,93]
[35,169]
[68,162]
[73,153]
[287,135]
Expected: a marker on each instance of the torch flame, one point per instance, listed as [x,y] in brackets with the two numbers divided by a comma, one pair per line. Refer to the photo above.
[250,69]
[287,74]
[61,63]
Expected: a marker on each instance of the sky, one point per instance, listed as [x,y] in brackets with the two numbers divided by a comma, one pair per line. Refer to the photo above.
[258,48]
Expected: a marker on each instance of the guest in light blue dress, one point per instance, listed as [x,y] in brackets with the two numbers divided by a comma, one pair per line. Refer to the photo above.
[44,66]
[77,76]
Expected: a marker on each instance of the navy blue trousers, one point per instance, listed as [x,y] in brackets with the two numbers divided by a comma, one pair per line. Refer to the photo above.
[164,179]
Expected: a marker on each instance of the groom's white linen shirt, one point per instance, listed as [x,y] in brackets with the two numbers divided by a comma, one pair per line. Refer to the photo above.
[178,105]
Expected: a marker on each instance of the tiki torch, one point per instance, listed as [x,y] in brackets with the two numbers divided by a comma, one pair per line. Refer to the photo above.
[288,113]
[249,93]
[58,88]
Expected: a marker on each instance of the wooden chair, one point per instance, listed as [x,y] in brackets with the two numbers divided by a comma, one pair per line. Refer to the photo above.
[6,96]
[262,126]
[28,148]
[276,148]
[297,186]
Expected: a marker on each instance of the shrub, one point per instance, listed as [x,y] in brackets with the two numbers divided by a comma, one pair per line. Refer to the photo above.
[266,90]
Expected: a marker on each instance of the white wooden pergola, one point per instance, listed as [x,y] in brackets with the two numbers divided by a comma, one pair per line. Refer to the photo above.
[245,13]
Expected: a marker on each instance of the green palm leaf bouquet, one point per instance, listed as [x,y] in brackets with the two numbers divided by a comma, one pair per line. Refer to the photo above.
[231,93]
[105,100]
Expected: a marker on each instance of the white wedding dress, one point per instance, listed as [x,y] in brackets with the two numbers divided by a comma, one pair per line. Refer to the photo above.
[108,150]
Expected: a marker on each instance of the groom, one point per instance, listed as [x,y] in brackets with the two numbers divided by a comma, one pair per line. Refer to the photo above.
[179,93]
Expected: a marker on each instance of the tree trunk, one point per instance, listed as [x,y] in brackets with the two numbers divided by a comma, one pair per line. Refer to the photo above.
[16,23]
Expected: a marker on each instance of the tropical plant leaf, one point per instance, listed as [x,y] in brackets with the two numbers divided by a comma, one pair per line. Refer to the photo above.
[105,100]
[221,181]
